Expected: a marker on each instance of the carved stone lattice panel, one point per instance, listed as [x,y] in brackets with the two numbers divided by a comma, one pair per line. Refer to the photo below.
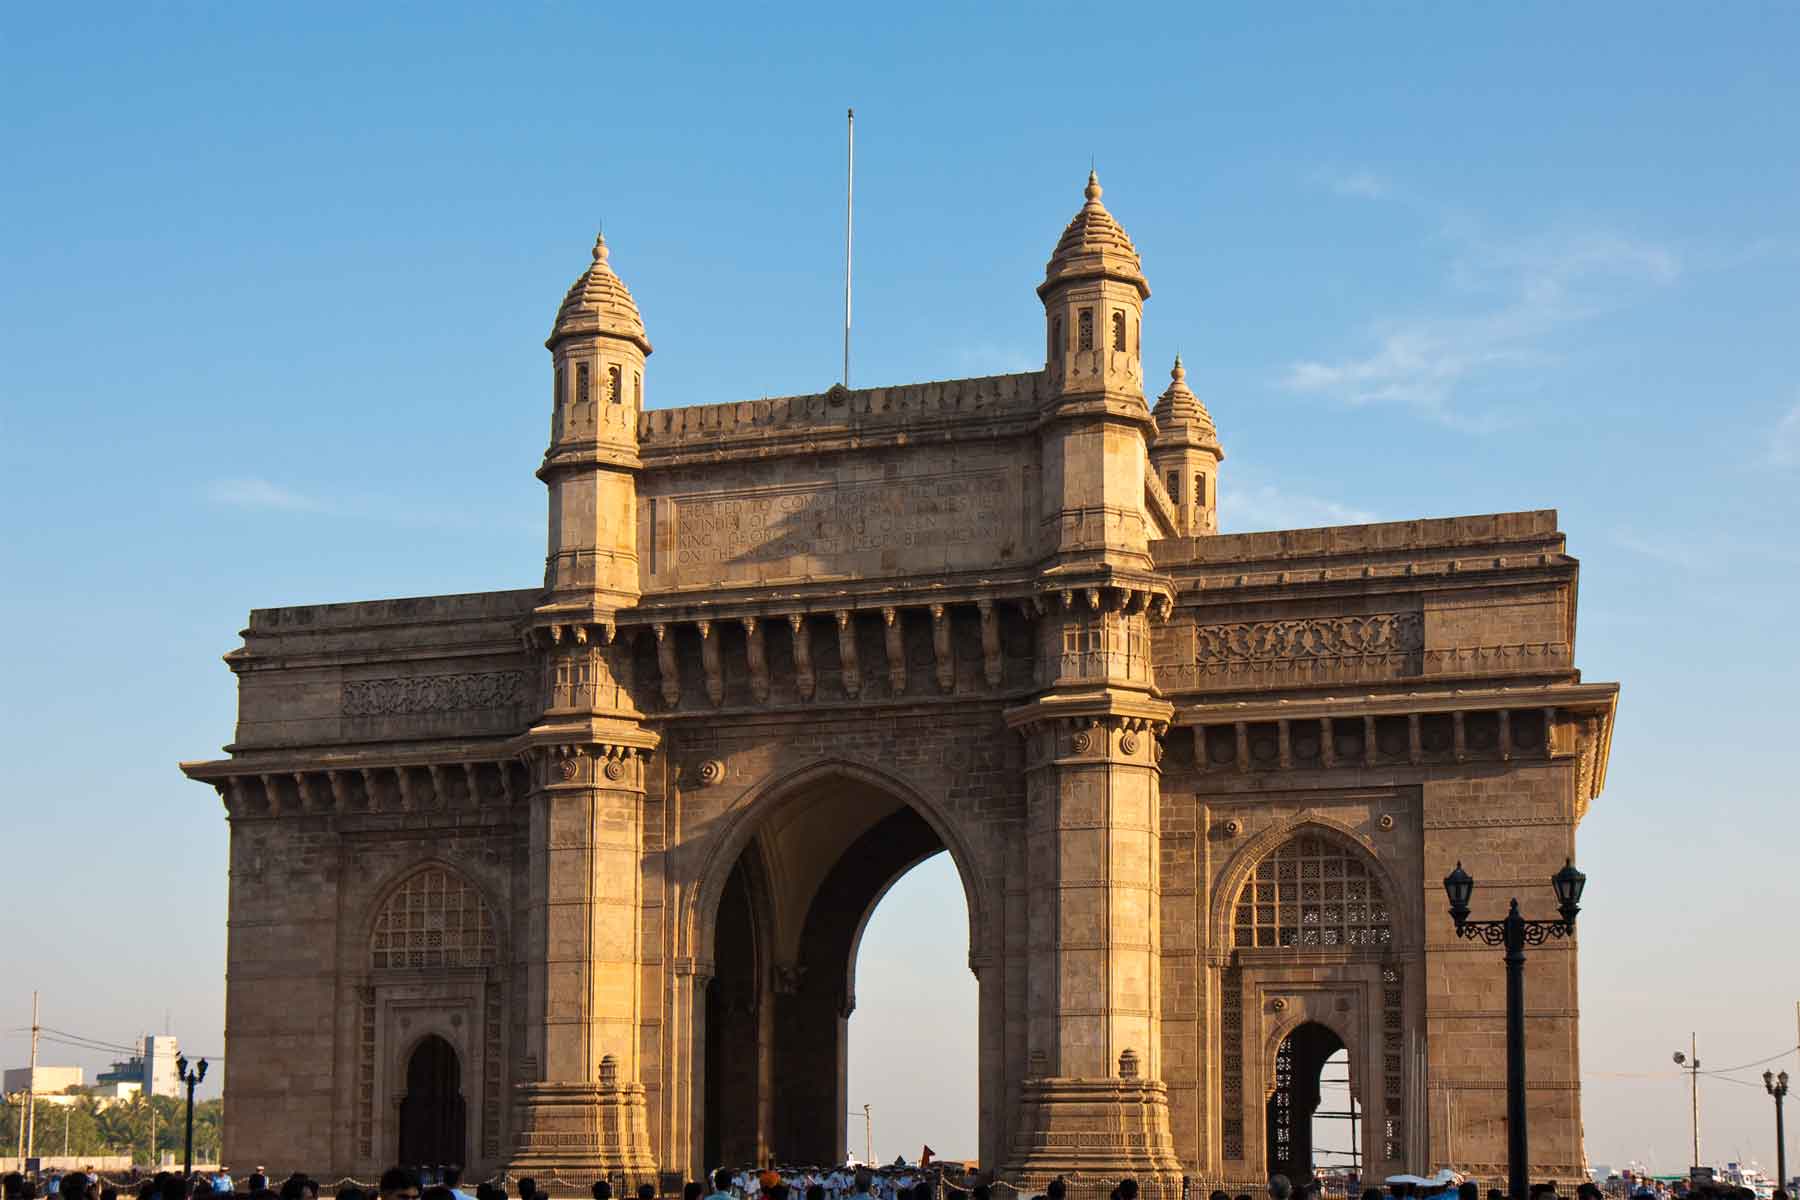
[1393,1070]
[1231,1063]
[433,694]
[433,920]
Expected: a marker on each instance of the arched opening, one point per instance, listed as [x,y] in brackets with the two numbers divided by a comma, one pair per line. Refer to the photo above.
[432,1112]
[1337,1122]
[788,926]
[1299,1063]
[914,1050]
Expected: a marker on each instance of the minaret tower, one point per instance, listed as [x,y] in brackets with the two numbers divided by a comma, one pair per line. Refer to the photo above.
[581,1110]
[1185,455]
[1097,422]
[1091,1099]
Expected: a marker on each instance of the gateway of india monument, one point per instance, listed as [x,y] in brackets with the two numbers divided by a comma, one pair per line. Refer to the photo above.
[569,881]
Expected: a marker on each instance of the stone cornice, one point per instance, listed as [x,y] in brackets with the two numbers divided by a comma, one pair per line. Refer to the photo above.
[1110,706]
[1587,697]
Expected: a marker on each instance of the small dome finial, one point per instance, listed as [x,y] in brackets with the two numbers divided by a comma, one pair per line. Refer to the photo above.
[599,247]
[1092,192]
[1178,373]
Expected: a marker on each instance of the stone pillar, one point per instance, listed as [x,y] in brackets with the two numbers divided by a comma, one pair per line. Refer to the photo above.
[1093,1102]
[584,1115]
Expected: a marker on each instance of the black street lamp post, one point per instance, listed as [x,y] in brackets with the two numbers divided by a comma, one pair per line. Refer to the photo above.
[1515,933]
[1777,1085]
[192,1080]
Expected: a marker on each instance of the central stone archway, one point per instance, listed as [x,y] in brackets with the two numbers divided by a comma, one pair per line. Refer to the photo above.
[805,862]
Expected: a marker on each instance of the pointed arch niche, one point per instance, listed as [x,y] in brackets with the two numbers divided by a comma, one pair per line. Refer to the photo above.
[430,971]
[1312,936]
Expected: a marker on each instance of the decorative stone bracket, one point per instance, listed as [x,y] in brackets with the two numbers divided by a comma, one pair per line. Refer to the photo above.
[462,784]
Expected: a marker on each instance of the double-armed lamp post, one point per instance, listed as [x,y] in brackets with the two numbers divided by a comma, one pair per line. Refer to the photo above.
[1515,933]
[1777,1086]
[192,1080]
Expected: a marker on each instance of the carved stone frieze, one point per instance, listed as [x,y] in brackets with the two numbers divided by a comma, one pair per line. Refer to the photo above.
[433,694]
[1309,638]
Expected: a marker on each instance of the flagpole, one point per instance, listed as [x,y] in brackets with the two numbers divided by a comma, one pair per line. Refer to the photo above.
[849,227]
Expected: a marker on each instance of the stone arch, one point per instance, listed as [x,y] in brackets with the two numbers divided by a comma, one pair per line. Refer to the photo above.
[750,812]
[1244,863]
[837,833]
[382,907]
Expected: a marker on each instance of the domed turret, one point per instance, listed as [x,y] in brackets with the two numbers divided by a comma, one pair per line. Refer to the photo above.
[1093,293]
[1094,244]
[597,349]
[1185,453]
[599,303]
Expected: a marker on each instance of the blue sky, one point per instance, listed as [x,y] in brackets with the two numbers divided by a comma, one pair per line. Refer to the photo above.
[275,284]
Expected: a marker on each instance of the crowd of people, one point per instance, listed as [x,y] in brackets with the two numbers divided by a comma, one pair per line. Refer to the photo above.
[809,1183]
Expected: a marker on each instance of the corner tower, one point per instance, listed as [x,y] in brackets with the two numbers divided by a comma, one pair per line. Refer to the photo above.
[1092,1100]
[580,1106]
[1096,423]
[1185,455]
[597,348]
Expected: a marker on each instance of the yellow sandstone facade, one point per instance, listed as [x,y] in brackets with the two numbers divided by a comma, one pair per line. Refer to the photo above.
[569,881]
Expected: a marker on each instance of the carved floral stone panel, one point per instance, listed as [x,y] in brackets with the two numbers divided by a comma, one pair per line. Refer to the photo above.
[1327,637]
[433,694]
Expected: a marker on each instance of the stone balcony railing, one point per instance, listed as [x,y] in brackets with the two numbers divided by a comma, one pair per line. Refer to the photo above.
[840,416]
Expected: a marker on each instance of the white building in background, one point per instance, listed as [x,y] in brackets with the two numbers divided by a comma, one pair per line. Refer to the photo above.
[160,1076]
[150,1072]
[45,1081]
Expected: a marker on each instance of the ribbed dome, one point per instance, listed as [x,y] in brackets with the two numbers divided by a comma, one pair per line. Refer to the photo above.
[1180,417]
[599,302]
[1094,244]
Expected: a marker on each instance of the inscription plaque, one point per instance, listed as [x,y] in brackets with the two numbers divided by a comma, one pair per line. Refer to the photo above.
[932,521]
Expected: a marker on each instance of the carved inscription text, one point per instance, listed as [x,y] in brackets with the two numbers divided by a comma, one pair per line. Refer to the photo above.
[825,522]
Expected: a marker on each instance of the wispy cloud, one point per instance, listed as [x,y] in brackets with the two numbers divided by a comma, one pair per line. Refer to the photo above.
[1358,182]
[1525,292]
[1247,507]
[253,492]
[1684,555]
[1784,444]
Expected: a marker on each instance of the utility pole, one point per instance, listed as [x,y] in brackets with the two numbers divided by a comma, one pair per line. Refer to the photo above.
[868,1135]
[31,1083]
[849,227]
[1690,1062]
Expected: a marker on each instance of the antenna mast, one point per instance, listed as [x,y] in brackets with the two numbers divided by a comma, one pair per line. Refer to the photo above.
[849,227]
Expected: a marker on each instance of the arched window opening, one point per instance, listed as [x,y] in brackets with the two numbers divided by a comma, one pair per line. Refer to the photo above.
[435,920]
[556,396]
[637,389]
[1200,489]
[1118,331]
[1056,337]
[1312,891]
[1084,331]
[614,392]
[581,383]
[1175,486]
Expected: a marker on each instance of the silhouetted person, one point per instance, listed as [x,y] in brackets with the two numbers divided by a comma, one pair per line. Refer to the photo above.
[646,1191]
[602,1190]
[1280,1188]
